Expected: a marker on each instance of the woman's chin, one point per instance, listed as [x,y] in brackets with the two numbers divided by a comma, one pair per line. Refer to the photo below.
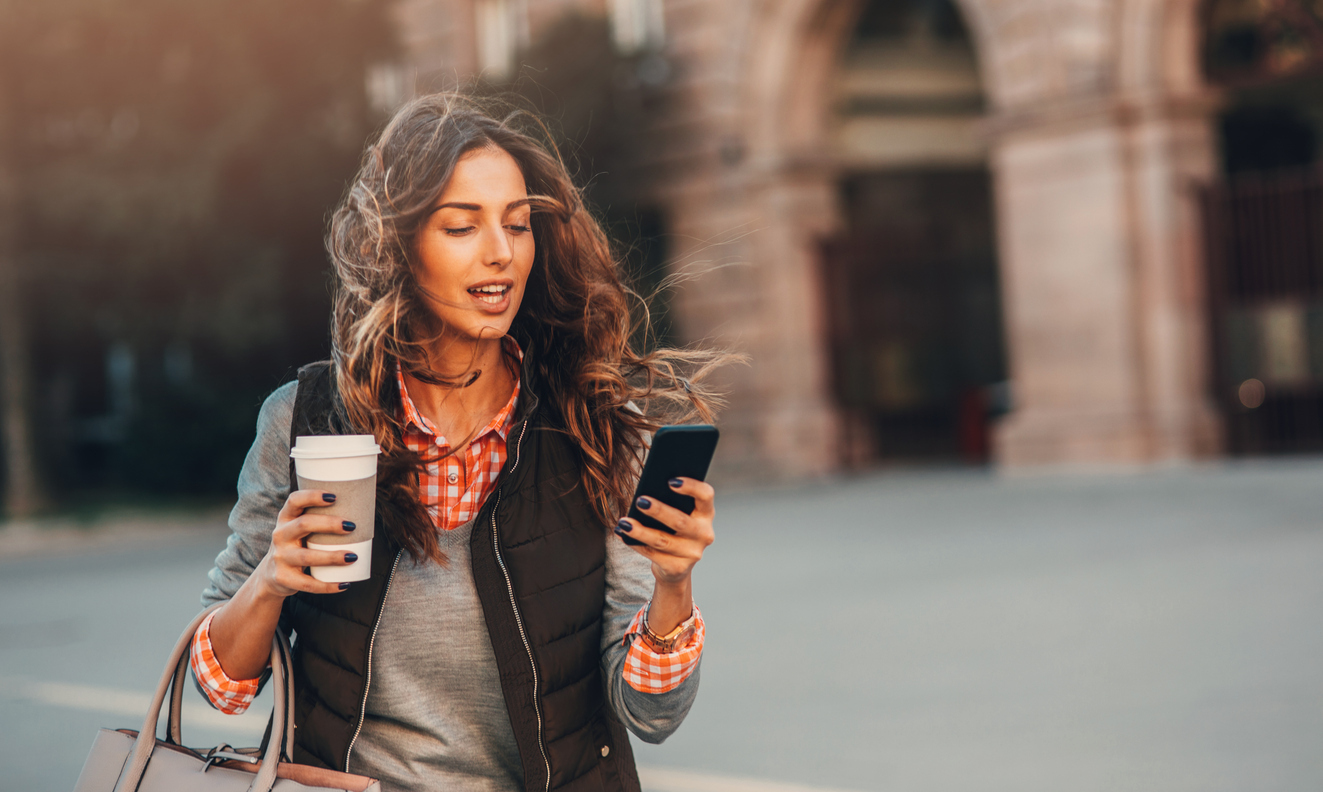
[484,331]
[474,326]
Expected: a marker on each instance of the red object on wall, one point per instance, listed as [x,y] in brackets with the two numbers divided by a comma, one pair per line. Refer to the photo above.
[973,425]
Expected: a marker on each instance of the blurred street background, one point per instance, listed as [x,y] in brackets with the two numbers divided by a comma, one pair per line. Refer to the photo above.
[919,631]
[1022,470]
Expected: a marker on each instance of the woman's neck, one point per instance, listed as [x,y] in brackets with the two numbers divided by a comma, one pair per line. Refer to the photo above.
[458,412]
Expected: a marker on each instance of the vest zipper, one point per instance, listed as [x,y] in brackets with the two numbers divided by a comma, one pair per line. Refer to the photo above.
[362,710]
[496,547]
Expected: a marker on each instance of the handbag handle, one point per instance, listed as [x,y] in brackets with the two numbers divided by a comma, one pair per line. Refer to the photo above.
[173,730]
[286,658]
[170,682]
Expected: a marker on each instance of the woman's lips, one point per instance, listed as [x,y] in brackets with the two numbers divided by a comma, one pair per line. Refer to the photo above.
[493,298]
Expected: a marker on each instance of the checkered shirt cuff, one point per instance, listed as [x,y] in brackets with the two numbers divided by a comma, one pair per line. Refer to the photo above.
[231,696]
[649,672]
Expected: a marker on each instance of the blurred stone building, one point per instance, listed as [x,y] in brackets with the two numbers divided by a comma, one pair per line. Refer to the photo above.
[951,228]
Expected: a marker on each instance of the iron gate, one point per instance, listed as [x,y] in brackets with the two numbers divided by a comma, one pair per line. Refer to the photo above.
[1264,249]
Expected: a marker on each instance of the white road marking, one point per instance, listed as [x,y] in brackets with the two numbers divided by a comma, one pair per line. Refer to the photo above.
[657,779]
[132,704]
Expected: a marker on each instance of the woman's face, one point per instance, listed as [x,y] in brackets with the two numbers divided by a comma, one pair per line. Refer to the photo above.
[475,251]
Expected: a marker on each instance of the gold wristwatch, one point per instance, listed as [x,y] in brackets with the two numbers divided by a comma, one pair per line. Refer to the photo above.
[675,639]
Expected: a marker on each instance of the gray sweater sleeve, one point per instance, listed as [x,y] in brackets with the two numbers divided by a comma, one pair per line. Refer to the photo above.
[263,488]
[651,716]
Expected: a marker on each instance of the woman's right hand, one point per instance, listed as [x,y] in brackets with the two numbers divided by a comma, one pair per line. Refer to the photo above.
[280,574]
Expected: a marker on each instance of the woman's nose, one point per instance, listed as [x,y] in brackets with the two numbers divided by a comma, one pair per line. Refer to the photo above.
[497,250]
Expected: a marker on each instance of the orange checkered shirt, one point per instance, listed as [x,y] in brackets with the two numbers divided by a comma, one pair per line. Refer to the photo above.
[454,487]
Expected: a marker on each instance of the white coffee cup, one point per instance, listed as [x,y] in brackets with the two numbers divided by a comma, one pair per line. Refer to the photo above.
[347,466]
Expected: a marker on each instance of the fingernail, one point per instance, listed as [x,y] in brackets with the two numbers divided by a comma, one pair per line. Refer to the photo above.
[644,503]
[624,526]
[675,483]
[348,526]
[351,558]
[328,497]
[344,586]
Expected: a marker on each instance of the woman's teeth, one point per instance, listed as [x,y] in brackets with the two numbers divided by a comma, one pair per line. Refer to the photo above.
[490,294]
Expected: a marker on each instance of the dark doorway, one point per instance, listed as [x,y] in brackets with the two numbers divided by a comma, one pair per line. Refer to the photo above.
[915,315]
[913,299]
[1264,233]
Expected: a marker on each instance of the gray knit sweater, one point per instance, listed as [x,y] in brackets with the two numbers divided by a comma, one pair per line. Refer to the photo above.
[436,718]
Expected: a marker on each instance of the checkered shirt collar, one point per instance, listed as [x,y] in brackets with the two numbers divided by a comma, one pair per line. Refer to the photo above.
[500,423]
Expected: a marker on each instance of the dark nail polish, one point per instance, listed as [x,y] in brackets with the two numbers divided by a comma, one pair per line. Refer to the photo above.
[351,558]
[328,497]
[675,483]
[344,586]
[348,526]
[624,527]
[644,503]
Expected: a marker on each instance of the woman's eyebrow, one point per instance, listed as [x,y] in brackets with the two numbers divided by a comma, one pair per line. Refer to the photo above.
[472,207]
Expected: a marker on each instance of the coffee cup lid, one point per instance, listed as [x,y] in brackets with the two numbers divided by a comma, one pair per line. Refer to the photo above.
[334,446]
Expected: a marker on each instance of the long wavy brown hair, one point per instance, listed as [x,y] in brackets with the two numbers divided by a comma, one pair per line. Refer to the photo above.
[575,322]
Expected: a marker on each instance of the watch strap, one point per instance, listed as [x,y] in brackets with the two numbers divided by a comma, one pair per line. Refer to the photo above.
[675,639]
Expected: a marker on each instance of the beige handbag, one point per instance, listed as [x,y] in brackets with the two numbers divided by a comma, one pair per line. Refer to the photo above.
[124,760]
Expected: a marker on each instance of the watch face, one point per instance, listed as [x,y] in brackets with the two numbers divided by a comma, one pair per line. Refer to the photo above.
[667,644]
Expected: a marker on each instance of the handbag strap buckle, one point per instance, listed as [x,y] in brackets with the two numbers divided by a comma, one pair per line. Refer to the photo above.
[219,754]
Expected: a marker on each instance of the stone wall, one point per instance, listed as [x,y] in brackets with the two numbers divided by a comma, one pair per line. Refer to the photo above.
[1098,124]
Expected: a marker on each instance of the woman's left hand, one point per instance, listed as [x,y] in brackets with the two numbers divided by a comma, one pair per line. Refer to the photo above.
[673,556]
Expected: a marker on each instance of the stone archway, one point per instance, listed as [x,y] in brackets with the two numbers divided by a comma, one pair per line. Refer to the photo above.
[1099,124]
[785,65]
[914,322]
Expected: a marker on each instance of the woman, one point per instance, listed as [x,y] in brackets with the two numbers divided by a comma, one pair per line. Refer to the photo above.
[505,638]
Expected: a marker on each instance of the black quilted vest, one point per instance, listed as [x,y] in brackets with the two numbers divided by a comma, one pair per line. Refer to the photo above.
[539,557]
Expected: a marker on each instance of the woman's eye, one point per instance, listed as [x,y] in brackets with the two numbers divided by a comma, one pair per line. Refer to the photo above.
[459,231]
[519,229]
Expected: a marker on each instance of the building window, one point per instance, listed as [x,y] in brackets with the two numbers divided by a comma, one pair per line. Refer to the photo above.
[387,87]
[1255,40]
[637,25]
[502,27]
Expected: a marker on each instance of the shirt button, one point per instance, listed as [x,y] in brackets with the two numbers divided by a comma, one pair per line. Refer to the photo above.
[452,477]
[606,749]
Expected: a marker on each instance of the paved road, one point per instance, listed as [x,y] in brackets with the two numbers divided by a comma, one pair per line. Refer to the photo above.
[934,631]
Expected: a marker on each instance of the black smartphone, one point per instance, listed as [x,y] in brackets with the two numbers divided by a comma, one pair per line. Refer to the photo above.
[677,451]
